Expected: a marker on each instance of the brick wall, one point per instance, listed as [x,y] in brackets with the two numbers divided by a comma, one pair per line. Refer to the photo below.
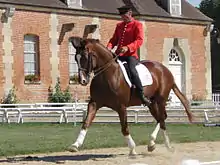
[156,32]
[80,22]
[38,24]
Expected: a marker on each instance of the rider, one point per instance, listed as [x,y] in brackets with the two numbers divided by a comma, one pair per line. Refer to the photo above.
[128,37]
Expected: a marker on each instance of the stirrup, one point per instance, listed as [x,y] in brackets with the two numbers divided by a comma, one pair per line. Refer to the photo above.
[146,101]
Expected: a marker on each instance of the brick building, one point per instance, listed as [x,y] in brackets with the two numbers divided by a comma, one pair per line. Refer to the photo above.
[34,37]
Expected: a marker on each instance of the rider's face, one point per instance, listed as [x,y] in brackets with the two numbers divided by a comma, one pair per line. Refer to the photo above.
[127,16]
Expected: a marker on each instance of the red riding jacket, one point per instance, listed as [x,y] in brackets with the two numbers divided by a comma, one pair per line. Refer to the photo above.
[127,34]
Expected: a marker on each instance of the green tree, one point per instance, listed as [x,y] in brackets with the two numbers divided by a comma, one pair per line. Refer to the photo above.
[211,8]
[59,96]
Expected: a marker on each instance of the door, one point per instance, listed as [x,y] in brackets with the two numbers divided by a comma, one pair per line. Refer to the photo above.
[175,66]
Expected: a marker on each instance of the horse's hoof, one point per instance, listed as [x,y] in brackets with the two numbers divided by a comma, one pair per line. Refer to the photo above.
[132,153]
[72,148]
[171,149]
[151,148]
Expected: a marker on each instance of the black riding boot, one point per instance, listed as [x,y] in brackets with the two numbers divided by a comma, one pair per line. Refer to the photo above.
[140,92]
[143,98]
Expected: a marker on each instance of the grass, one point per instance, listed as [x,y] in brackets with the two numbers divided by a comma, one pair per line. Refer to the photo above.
[44,138]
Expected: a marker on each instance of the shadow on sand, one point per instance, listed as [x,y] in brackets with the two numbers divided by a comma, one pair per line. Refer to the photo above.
[58,159]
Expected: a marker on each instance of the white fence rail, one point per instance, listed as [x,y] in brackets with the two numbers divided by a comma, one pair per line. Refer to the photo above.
[204,111]
[40,110]
[77,112]
[216,99]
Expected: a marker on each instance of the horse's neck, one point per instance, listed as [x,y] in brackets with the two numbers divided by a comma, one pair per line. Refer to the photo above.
[111,76]
[111,69]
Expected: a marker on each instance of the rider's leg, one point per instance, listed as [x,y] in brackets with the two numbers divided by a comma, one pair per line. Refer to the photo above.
[132,62]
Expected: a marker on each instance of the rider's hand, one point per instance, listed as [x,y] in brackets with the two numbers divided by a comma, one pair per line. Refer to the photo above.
[124,49]
[109,48]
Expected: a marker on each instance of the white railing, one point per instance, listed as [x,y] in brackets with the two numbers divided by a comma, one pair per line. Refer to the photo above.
[76,112]
[63,110]
[216,99]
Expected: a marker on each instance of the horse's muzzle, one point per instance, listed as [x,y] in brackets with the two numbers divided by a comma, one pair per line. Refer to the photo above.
[83,78]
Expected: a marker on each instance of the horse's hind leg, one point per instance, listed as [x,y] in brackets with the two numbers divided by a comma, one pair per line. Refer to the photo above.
[163,116]
[155,113]
[91,112]
[122,112]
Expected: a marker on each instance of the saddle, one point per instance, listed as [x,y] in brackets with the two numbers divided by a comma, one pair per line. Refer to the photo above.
[143,72]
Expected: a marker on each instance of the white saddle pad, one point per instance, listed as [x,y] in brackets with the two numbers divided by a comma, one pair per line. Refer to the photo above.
[144,74]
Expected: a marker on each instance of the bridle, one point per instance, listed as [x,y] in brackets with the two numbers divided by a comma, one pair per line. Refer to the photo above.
[105,66]
[88,71]
[99,70]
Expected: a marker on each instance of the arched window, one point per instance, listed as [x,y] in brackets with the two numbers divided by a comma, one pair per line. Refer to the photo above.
[174,56]
[31,57]
[73,67]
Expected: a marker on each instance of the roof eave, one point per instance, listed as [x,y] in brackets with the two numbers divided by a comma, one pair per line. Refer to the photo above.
[86,12]
[183,20]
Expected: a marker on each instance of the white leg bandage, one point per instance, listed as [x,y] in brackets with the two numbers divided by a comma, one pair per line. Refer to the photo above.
[130,141]
[155,132]
[80,139]
[167,140]
[154,135]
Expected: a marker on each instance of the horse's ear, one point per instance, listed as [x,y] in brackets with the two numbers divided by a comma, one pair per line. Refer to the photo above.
[77,42]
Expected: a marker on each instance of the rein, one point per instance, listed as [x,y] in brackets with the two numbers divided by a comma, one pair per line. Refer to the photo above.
[106,66]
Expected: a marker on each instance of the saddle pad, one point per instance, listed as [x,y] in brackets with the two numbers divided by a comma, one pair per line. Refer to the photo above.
[144,74]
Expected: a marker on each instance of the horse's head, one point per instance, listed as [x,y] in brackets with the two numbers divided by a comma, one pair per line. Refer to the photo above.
[85,58]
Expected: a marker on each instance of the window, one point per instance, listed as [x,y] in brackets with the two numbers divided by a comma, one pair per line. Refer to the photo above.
[73,67]
[74,3]
[175,7]
[31,57]
[174,57]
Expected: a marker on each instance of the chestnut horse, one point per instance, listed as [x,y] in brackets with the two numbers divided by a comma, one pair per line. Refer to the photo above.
[108,88]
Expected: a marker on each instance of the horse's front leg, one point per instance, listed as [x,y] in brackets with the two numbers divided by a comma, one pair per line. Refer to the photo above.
[125,131]
[91,112]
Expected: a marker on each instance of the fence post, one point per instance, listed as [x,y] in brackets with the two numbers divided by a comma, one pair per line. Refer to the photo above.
[74,115]
[84,114]
[6,116]
[61,118]
[20,117]
[65,116]
[3,117]
[206,117]
[136,116]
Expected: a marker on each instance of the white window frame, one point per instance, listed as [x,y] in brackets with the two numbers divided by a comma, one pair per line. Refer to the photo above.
[31,45]
[73,67]
[74,3]
[174,5]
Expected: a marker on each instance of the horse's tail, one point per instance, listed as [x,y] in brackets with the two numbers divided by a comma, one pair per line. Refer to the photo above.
[184,101]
